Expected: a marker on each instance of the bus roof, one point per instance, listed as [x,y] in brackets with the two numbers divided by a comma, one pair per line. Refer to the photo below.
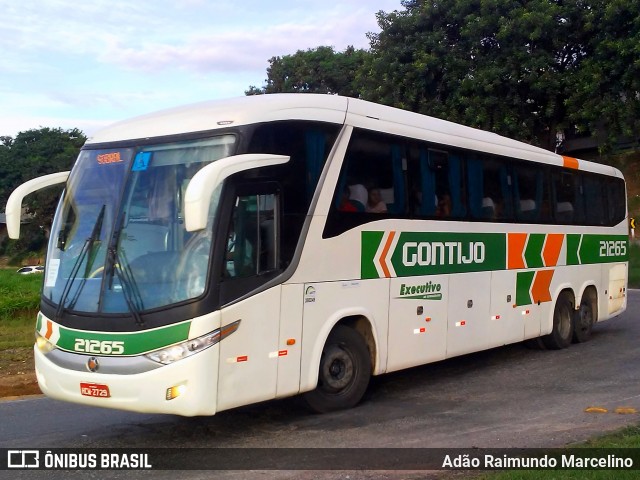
[218,114]
[212,115]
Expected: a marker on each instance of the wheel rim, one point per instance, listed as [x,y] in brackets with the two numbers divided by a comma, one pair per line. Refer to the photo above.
[564,323]
[586,316]
[338,369]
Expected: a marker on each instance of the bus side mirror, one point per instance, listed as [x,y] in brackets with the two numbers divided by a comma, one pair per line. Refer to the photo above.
[14,204]
[203,187]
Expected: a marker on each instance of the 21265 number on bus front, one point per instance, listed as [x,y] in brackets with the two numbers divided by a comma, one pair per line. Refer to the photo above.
[105,347]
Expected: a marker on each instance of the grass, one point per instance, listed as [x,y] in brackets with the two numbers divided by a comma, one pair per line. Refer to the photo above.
[19,301]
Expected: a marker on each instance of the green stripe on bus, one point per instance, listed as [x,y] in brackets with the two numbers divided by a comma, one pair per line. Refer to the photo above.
[432,253]
[590,249]
[533,252]
[523,288]
[133,343]
[429,253]
[573,243]
[370,242]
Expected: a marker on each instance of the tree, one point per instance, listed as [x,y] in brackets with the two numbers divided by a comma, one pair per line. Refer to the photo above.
[606,95]
[32,154]
[318,70]
[518,68]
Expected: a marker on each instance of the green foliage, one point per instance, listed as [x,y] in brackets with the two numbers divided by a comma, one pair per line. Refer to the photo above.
[605,88]
[32,154]
[318,70]
[525,69]
[516,68]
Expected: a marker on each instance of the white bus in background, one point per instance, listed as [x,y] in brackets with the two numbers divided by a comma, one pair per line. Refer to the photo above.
[230,252]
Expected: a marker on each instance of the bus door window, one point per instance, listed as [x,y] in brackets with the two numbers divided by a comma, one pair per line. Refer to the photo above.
[252,249]
[251,240]
[308,145]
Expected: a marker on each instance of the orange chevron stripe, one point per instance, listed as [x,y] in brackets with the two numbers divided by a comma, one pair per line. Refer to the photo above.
[516,243]
[541,284]
[49,331]
[552,247]
[385,252]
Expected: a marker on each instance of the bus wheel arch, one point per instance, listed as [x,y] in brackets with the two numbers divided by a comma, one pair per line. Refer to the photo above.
[345,366]
[563,321]
[586,315]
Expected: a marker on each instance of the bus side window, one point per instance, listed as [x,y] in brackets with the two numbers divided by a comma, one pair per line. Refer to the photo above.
[372,178]
[490,189]
[567,197]
[440,192]
[530,194]
[594,200]
[616,201]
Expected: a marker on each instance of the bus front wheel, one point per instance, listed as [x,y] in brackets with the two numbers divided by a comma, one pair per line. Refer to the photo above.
[562,332]
[345,369]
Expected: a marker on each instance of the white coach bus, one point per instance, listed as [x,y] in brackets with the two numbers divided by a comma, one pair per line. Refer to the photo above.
[215,255]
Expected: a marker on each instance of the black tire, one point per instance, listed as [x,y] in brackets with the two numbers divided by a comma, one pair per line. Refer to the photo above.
[345,370]
[585,317]
[562,332]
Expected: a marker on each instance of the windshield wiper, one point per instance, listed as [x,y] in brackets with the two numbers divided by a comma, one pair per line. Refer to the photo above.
[119,265]
[86,248]
[129,286]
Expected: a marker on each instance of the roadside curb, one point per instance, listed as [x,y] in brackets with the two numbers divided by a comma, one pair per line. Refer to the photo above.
[15,398]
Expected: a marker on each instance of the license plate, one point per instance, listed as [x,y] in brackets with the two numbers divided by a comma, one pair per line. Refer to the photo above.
[94,390]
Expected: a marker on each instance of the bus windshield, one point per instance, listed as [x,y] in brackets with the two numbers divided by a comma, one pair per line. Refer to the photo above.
[118,242]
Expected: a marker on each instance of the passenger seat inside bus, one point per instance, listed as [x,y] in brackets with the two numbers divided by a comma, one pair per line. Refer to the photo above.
[528,209]
[358,196]
[488,208]
[564,212]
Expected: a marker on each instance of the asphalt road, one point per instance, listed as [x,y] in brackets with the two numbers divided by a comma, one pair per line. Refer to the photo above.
[505,397]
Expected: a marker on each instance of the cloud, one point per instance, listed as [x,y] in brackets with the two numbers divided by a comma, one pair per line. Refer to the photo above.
[243,50]
[112,59]
[192,35]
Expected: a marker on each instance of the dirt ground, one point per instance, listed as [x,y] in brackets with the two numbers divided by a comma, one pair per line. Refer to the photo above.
[17,373]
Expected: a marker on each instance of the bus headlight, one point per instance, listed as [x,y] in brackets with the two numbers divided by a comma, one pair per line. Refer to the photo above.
[185,349]
[44,345]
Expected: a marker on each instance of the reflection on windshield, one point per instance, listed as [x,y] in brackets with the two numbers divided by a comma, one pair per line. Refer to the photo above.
[153,260]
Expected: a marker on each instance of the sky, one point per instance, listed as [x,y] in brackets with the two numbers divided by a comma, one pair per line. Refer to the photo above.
[69,64]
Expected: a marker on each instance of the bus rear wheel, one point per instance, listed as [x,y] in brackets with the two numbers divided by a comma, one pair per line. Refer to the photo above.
[563,323]
[345,370]
[586,316]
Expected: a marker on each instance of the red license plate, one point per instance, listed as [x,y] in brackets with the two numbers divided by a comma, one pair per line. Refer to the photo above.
[94,390]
